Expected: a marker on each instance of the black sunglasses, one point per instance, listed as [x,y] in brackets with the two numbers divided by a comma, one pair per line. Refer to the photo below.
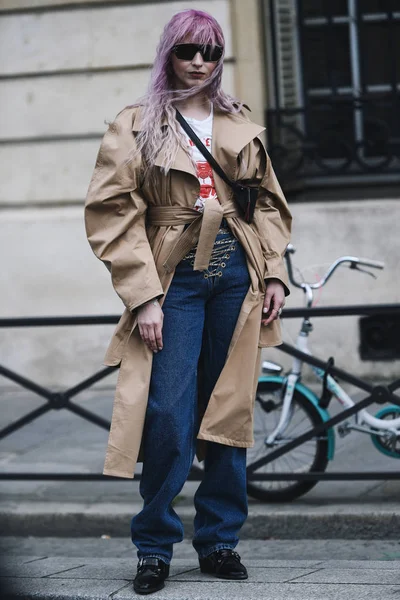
[188,52]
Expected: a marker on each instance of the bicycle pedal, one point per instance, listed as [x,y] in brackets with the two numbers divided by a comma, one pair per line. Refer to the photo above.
[344,429]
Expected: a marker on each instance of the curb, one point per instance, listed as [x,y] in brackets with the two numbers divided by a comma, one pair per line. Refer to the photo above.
[285,522]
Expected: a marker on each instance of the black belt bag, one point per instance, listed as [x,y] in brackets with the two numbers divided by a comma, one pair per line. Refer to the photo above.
[245,196]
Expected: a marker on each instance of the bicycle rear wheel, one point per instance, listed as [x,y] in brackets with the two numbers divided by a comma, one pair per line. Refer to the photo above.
[310,456]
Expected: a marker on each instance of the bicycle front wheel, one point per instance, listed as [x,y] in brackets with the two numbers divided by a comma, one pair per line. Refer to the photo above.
[310,456]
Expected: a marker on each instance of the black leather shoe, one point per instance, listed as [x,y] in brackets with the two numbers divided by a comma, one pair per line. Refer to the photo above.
[224,564]
[150,576]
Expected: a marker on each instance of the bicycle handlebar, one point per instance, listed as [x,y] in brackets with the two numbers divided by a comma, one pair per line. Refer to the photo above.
[353,263]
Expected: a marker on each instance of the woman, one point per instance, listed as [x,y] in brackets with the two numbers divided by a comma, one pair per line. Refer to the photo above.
[202,289]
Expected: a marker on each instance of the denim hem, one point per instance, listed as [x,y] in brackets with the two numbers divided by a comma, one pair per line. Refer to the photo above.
[159,556]
[205,553]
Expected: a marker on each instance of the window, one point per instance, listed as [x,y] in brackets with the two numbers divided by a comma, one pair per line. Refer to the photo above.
[337,63]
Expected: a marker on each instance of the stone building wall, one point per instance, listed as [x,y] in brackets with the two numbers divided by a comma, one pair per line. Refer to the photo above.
[66,68]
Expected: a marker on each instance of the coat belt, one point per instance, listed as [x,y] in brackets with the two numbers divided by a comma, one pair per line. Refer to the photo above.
[203,229]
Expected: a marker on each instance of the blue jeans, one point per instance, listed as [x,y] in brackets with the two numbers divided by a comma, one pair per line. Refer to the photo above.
[200,314]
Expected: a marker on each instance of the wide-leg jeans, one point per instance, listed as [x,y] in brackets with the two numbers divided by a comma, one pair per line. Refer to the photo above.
[200,314]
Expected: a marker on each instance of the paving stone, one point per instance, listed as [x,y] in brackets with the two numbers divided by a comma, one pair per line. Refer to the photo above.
[360,564]
[62,589]
[282,564]
[373,576]
[256,575]
[228,590]
[16,560]
[41,567]
[192,563]
[116,569]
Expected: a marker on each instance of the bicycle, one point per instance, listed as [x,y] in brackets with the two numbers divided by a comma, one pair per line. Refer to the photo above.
[285,408]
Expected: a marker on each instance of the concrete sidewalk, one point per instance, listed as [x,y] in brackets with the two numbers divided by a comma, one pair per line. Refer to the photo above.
[58,578]
[60,568]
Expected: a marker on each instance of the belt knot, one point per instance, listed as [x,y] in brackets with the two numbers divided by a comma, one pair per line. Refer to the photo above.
[203,229]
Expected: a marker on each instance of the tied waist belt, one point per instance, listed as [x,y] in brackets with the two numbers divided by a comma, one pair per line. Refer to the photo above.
[203,229]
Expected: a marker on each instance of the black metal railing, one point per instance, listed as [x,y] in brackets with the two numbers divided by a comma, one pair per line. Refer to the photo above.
[336,136]
[56,400]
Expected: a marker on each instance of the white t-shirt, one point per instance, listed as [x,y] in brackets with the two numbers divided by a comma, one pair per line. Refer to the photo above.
[204,171]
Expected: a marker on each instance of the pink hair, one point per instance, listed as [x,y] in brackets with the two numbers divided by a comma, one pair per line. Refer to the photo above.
[189,25]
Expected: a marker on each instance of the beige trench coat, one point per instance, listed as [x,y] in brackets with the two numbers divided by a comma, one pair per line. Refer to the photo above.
[135,252]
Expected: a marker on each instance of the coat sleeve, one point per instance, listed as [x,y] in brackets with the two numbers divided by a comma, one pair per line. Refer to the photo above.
[272,222]
[115,213]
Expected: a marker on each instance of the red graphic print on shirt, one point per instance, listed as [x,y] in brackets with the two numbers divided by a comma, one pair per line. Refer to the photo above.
[206,178]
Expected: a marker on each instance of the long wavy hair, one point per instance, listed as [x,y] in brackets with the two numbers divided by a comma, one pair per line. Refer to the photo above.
[158,103]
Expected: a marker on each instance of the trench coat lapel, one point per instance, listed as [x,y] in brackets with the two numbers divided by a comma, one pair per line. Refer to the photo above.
[230,136]
[235,131]
[181,162]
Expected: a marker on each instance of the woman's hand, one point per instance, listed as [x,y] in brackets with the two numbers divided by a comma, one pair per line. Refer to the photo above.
[150,322]
[273,301]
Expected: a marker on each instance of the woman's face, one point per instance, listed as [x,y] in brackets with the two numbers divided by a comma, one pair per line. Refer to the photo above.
[191,73]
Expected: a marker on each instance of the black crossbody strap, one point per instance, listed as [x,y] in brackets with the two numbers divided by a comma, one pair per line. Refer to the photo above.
[207,155]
